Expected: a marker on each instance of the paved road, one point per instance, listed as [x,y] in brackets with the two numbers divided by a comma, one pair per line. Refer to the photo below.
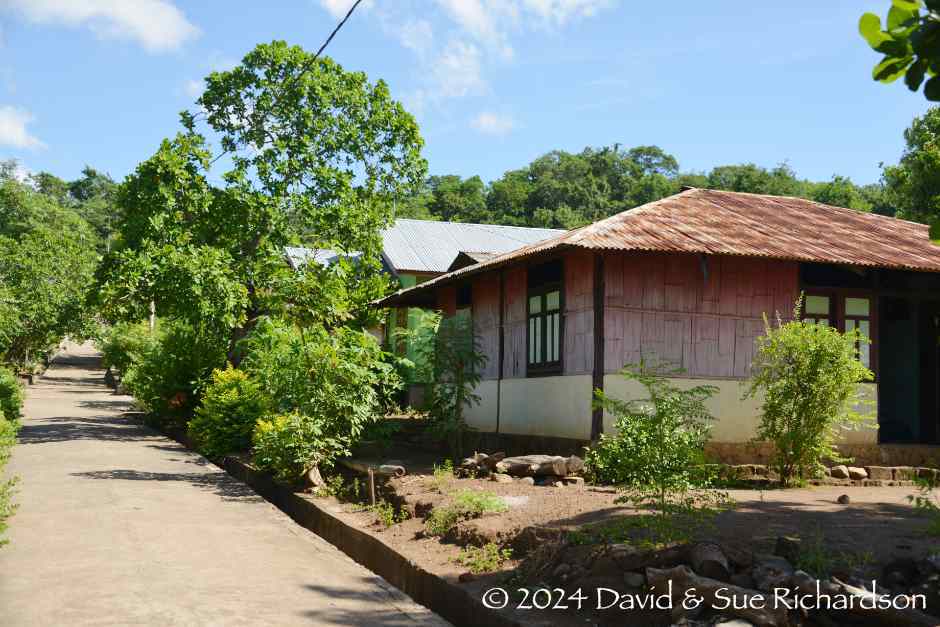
[118,525]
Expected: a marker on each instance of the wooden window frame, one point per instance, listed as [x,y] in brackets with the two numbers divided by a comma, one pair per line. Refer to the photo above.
[837,315]
[552,368]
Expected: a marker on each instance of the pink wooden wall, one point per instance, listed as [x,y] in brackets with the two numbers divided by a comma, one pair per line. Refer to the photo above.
[578,355]
[514,337]
[659,306]
[486,321]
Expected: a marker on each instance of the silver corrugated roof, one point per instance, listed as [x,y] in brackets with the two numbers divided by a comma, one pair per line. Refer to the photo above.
[429,246]
[298,257]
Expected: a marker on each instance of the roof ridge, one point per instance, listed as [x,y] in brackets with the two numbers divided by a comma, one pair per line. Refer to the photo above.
[483,224]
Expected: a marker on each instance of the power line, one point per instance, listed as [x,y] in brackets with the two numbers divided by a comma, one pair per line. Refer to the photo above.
[306,67]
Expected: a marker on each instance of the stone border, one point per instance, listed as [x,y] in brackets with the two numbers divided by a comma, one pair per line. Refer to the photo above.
[449,600]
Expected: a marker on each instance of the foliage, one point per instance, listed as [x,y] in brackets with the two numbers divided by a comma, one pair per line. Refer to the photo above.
[231,406]
[566,190]
[11,395]
[286,444]
[329,385]
[808,376]
[443,475]
[925,502]
[172,372]
[659,440]
[47,260]
[483,559]
[910,43]
[318,155]
[336,486]
[913,185]
[456,363]
[8,429]
[465,505]
[386,514]
[123,344]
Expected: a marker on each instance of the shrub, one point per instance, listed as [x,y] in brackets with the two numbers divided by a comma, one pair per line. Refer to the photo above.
[327,385]
[123,344]
[231,406]
[483,559]
[467,504]
[386,514]
[285,445]
[808,376]
[172,372]
[8,429]
[11,395]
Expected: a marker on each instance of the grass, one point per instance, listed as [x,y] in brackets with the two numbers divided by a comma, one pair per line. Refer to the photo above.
[483,559]
[819,560]
[466,504]
[443,476]
[386,514]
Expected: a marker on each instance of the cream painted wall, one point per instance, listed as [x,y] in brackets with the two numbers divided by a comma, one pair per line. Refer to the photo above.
[736,420]
[546,406]
[561,407]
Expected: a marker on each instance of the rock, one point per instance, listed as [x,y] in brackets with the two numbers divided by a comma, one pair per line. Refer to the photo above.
[525,465]
[561,570]
[742,580]
[574,464]
[927,473]
[857,473]
[491,460]
[526,480]
[883,473]
[839,472]
[574,481]
[905,473]
[466,577]
[769,571]
[558,484]
[709,560]
[634,580]
[843,499]
[788,547]
[605,566]
[499,477]
[733,622]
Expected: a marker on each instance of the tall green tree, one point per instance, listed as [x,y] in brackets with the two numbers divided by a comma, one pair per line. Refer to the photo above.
[318,156]
[913,185]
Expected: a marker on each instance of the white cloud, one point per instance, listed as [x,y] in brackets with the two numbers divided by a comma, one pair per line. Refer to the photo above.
[339,8]
[561,11]
[156,24]
[416,35]
[490,123]
[457,72]
[193,88]
[13,130]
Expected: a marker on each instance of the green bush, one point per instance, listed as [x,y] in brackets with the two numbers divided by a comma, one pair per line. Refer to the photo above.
[172,372]
[8,429]
[327,385]
[123,344]
[467,504]
[285,445]
[11,395]
[808,376]
[483,559]
[231,406]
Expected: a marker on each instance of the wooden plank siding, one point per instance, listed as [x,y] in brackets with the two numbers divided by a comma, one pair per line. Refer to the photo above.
[659,306]
[485,298]
[514,319]
[578,299]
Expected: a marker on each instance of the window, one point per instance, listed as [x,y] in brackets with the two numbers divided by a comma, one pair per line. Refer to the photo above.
[846,313]
[545,325]
[858,316]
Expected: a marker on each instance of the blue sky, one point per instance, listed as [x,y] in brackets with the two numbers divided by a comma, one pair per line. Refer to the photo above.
[493,83]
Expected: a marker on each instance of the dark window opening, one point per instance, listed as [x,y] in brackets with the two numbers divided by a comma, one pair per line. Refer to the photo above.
[544,316]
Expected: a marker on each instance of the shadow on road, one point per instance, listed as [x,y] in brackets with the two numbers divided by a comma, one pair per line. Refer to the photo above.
[219,482]
[371,606]
[65,428]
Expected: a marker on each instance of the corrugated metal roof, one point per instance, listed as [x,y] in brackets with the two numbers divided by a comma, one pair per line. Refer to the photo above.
[751,225]
[429,246]
[298,257]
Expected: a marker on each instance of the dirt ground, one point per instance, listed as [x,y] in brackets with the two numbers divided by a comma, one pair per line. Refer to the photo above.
[875,527]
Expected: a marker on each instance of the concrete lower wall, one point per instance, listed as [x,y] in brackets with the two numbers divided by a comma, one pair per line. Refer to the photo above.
[557,407]
[560,407]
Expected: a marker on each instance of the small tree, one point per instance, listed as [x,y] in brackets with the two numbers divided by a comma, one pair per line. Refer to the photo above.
[456,365]
[808,375]
[659,440]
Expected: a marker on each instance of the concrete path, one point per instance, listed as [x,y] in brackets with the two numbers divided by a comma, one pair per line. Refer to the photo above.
[118,525]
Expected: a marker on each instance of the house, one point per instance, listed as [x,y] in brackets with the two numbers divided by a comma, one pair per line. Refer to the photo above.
[688,279]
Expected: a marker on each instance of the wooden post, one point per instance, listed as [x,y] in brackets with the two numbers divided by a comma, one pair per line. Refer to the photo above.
[372,485]
[597,415]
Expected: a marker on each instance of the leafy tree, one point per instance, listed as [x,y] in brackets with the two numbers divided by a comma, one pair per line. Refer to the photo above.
[910,43]
[319,156]
[808,376]
[231,406]
[913,185]
[47,261]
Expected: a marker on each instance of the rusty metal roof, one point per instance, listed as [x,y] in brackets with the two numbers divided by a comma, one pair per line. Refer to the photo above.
[734,223]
